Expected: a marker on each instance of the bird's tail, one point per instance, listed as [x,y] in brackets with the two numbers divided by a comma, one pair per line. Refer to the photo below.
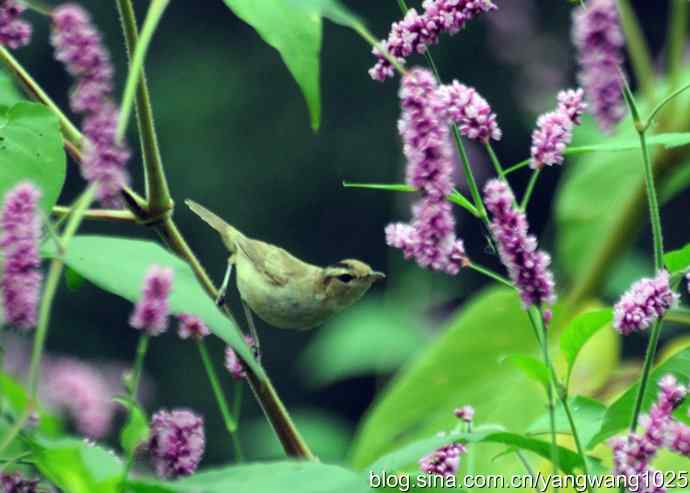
[228,233]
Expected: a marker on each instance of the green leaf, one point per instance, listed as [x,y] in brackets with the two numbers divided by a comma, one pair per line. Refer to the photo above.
[31,149]
[588,415]
[14,395]
[463,366]
[580,331]
[9,94]
[118,265]
[296,34]
[667,141]
[73,280]
[532,367]
[271,477]
[351,345]
[136,429]
[619,413]
[293,27]
[678,261]
[76,466]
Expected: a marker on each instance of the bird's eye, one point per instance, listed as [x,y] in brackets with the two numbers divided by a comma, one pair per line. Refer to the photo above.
[345,278]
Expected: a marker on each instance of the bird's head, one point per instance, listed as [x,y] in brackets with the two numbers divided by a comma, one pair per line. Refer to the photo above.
[347,281]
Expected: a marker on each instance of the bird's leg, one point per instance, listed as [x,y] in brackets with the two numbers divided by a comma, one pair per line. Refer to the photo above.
[223,291]
[252,330]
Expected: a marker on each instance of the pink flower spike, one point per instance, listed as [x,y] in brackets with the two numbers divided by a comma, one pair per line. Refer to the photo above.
[191,326]
[465,413]
[443,462]
[20,283]
[151,312]
[14,32]
[176,443]
[466,107]
[644,303]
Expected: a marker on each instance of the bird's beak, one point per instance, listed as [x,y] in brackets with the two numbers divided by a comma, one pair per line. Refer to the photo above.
[377,276]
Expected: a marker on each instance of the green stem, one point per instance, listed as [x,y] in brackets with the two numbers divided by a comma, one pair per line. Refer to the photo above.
[17,427]
[677,40]
[660,106]
[134,379]
[136,66]
[637,47]
[653,203]
[646,371]
[52,281]
[517,167]
[540,332]
[469,176]
[118,216]
[34,90]
[491,274]
[494,160]
[576,437]
[530,189]
[229,421]
[157,190]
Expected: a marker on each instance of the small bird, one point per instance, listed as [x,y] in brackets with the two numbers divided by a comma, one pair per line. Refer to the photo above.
[281,289]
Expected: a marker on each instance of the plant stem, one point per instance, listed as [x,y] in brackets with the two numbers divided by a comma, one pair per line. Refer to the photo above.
[157,190]
[676,41]
[52,281]
[135,378]
[494,160]
[660,106]
[653,203]
[576,437]
[517,167]
[638,49]
[17,427]
[491,274]
[229,421]
[136,66]
[118,216]
[646,371]
[530,189]
[540,332]
[32,88]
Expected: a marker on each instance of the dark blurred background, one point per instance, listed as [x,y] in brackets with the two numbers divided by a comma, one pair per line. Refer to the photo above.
[235,136]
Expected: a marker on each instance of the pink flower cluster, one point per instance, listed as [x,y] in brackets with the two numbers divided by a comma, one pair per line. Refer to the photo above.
[599,39]
[555,129]
[16,483]
[416,32]
[176,442]
[527,266]
[83,392]
[427,111]
[151,312]
[633,453]
[234,364]
[466,107]
[645,302]
[14,32]
[191,326]
[20,284]
[445,461]
[79,45]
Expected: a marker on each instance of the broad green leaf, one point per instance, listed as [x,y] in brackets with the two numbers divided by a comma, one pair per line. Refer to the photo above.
[581,330]
[15,396]
[327,434]
[532,367]
[270,477]
[118,265]
[678,261]
[73,280]
[136,429]
[76,466]
[588,415]
[294,28]
[9,94]
[351,345]
[295,31]
[31,149]
[463,366]
[619,413]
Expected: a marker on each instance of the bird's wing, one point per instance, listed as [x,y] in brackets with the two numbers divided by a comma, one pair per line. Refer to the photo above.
[272,262]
